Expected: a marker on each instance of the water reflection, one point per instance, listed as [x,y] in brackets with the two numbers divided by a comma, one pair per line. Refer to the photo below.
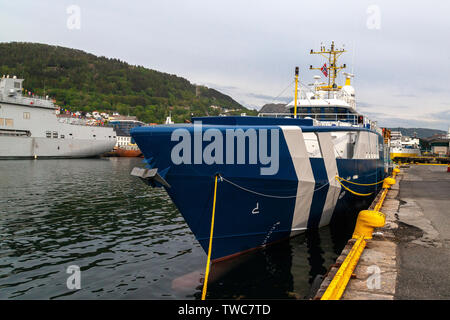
[315,255]
[129,240]
[285,270]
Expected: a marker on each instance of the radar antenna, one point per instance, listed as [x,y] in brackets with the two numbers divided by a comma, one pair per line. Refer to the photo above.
[333,69]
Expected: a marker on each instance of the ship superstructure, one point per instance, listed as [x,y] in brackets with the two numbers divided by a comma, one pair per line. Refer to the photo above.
[29,128]
[327,102]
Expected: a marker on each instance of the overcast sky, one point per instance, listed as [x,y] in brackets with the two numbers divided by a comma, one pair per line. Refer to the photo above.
[399,51]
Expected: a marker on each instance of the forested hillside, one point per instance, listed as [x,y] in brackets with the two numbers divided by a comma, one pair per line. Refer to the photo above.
[85,82]
[418,132]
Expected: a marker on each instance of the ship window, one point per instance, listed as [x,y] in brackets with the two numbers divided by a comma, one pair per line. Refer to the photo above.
[303,110]
[48,134]
[2,122]
[17,85]
[55,134]
[26,115]
[62,136]
[9,122]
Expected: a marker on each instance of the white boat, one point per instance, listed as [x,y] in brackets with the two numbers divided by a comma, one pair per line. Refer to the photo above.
[403,146]
[30,128]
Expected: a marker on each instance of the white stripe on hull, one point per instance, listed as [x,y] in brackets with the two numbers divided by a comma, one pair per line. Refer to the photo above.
[329,158]
[293,136]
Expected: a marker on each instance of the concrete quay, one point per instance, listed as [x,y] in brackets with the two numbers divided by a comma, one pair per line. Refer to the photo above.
[409,257]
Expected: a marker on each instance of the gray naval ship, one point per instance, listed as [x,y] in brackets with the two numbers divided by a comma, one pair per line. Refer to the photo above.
[30,128]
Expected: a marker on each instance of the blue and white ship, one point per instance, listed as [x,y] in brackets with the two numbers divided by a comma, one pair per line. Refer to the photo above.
[278,174]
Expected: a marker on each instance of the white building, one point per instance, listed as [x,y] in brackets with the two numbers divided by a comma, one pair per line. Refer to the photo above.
[123,141]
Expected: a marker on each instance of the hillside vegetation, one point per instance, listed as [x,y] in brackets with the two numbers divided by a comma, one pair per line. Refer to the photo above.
[85,82]
[418,132]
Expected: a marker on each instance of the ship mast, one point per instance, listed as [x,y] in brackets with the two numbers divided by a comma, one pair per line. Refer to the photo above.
[332,68]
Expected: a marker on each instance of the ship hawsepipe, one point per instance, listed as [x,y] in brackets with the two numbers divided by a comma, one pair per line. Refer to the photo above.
[254,209]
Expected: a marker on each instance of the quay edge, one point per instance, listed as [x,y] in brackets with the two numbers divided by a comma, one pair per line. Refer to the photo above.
[411,252]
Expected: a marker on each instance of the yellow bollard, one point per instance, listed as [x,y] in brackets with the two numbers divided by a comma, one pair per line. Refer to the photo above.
[396,171]
[388,182]
[366,222]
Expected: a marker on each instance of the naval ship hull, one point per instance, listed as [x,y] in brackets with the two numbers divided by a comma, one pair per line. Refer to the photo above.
[30,128]
[23,147]
[254,210]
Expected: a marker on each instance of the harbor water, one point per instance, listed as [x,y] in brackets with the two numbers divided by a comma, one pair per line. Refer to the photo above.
[130,241]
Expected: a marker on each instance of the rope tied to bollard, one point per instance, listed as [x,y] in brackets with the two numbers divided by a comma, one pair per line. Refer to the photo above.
[208,261]
[351,191]
[359,184]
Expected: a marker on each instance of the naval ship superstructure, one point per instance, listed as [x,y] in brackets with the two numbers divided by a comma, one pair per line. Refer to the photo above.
[29,128]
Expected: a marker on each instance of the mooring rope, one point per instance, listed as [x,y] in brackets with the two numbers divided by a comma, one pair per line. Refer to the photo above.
[208,262]
[353,192]
[359,184]
[268,195]
[296,196]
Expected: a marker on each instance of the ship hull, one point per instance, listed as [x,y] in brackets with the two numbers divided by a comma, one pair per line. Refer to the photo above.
[254,210]
[405,153]
[120,152]
[35,147]
[30,128]
[239,228]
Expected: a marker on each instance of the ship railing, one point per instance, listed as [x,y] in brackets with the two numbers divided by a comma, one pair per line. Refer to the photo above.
[341,117]
[329,119]
[29,101]
[81,122]
[15,132]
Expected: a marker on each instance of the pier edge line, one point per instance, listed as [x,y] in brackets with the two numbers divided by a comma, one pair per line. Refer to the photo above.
[366,222]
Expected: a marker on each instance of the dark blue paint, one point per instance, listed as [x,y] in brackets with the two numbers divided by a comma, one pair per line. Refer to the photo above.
[236,228]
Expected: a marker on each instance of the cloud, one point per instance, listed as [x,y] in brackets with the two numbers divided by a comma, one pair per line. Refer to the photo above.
[438,120]
[270,98]
[443,116]
[249,99]
[249,49]
[408,95]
